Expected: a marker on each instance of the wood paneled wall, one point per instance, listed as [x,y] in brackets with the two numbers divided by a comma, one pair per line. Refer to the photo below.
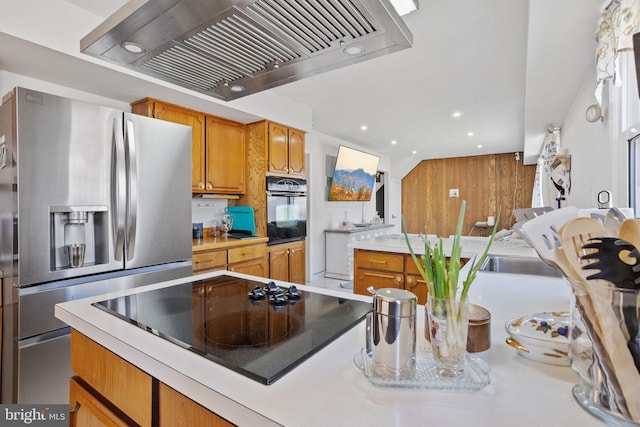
[488,184]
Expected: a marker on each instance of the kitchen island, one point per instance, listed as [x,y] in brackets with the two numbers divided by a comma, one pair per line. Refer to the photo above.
[328,389]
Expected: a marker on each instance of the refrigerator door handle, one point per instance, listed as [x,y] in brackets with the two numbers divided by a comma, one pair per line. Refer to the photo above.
[118,188]
[132,190]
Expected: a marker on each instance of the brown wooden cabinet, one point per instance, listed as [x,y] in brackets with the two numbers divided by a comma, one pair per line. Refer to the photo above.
[218,151]
[287,262]
[112,388]
[225,156]
[109,391]
[248,259]
[286,150]
[377,269]
[177,410]
[389,270]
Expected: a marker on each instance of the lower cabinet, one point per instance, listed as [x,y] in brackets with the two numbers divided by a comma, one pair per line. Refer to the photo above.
[287,262]
[377,270]
[177,410]
[106,390]
[248,259]
[88,409]
[389,270]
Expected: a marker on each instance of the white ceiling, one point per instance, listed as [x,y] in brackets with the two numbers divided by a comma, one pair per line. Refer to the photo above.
[510,67]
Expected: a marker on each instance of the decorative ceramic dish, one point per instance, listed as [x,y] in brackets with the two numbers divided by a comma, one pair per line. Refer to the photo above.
[541,337]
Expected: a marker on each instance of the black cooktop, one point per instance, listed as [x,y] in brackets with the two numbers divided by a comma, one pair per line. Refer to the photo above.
[225,320]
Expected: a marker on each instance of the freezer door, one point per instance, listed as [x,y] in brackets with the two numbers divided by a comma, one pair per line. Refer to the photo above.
[158,217]
[64,161]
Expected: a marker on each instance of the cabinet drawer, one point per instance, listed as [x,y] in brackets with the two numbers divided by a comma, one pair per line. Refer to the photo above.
[209,260]
[364,278]
[247,252]
[380,260]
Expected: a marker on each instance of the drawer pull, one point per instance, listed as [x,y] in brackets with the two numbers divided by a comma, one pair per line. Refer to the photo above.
[380,276]
[377,261]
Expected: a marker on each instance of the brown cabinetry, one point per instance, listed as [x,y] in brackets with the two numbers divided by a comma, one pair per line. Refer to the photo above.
[389,270]
[377,269]
[177,410]
[218,151]
[287,262]
[106,390]
[286,150]
[248,259]
[225,156]
[107,387]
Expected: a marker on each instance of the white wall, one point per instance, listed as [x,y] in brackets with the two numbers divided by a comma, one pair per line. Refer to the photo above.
[599,159]
[324,214]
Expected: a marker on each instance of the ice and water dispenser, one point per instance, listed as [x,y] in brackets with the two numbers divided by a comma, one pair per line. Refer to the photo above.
[79,236]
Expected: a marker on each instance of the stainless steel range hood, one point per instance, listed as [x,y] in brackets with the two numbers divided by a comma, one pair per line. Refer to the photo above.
[232,48]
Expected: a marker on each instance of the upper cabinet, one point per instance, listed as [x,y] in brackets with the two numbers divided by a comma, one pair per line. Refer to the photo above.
[225,156]
[217,151]
[286,150]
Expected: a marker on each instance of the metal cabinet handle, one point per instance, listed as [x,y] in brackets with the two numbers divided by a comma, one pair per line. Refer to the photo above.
[75,409]
[209,186]
[201,185]
[377,261]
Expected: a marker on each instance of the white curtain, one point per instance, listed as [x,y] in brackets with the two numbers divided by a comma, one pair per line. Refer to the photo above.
[544,192]
[618,23]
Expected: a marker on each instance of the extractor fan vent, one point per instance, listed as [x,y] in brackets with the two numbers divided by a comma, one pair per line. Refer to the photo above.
[233,48]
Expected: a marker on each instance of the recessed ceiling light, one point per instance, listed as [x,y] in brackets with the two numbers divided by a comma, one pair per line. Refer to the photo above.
[470,134]
[456,114]
[363,127]
[479,145]
[133,47]
[414,152]
[353,50]
[394,142]
[236,88]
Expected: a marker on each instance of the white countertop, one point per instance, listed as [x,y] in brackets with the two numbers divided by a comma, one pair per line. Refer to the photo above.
[328,390]
[470,245]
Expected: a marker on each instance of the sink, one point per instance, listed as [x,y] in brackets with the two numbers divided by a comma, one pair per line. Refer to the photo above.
[518,265]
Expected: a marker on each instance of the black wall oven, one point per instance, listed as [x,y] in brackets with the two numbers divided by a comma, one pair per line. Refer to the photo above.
[286,209]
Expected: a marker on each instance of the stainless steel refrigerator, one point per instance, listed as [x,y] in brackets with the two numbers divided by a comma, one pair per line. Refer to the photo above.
[92,200]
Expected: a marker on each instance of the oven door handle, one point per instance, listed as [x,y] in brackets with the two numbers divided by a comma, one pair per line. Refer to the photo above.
[285,194]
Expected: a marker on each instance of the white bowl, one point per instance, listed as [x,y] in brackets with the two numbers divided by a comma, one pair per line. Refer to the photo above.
[541,337]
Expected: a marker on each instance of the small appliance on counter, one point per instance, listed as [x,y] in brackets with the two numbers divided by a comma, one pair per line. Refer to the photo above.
[243,222]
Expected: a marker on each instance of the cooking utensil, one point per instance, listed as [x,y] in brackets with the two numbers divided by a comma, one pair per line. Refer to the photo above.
[613,220]
[541,232]
[630,231]
[616,260]
[597,312]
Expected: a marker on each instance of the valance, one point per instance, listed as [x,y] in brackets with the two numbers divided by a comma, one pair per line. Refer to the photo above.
[618,23]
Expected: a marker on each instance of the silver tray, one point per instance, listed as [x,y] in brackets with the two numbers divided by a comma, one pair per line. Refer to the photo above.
[474,377]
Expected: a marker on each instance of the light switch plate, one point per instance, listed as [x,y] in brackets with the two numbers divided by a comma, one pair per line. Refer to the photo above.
[454,192]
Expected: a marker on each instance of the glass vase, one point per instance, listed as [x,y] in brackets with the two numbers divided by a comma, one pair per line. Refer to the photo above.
[448,326]
[604,351]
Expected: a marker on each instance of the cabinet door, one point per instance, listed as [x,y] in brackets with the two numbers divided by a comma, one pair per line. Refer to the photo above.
[85,409]
[297,273]
[122,384]
[225,156]
[177,410]
[364,278]
[414,281]
[257,267]
[296,152]
[279,262]
[278,148]
[418,286]
[175,114]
